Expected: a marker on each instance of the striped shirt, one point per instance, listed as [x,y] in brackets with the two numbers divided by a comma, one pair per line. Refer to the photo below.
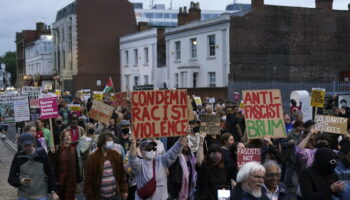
[108,183]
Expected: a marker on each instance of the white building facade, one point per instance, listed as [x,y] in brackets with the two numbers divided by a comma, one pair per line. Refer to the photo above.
[197,54]
[138,59]
[39,59]
[64,31]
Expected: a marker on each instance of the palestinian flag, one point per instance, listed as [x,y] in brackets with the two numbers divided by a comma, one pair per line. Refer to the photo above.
[109,86]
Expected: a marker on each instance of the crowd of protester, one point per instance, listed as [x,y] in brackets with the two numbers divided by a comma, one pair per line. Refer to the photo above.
[86,159]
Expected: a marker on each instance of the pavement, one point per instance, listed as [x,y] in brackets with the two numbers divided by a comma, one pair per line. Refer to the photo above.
[7,192]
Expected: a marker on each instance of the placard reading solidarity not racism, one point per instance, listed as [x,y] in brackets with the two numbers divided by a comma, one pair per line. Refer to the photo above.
[264,113]
[48,106]
[100,112]
[159,113]
[245,155]
[210,124]
[331,124]
[14,108]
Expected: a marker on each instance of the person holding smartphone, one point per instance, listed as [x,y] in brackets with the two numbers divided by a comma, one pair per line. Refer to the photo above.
[31,172]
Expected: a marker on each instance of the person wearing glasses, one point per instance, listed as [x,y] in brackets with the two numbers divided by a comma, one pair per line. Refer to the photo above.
[250,180]
[273,188]
[320,180]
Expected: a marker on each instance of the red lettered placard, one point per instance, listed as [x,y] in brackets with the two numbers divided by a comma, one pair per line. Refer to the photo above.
[121,99]
[159,113]
[264,113]
[245,155]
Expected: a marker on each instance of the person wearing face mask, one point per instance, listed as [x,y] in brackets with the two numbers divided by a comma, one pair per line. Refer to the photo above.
[151,171]
[123,139]
[194,137]
[343,171]
[76,132]
[57,130]
[183,184]
[212,172]
[320,181]
[105,177]
[67,169]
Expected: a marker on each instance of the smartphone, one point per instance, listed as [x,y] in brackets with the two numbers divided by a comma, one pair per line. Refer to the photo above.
[224,194]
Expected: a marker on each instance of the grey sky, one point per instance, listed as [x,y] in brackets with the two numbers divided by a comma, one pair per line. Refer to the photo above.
[17,15]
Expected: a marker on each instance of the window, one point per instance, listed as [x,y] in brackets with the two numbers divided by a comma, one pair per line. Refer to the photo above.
[64,59]
[178,50]
[145,77]
[176,80]
[127,82]
[183,79]
[146,55]
[126,57]
[136,57]
[211,44]
[212,79]
[193,43]
[195,78]
[136,80]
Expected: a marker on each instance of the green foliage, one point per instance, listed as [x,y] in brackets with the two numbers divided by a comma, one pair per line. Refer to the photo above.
[9,59]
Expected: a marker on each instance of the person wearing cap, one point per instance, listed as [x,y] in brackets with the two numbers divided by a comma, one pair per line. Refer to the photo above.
[31,172]
[343,170]
[212,171]
[151,171]
[320,181]
[124,131]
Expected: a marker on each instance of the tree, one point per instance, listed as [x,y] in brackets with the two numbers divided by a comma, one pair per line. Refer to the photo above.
[9,59]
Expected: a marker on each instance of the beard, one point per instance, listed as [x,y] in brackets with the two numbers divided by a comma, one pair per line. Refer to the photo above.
[256,193]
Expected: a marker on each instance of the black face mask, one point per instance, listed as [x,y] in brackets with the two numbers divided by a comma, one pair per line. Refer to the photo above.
[125,131]
[195,129]
[91,131]
[58,122]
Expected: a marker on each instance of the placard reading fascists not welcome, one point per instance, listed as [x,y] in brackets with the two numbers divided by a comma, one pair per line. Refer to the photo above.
[331,124]
[159,113]
[264,113]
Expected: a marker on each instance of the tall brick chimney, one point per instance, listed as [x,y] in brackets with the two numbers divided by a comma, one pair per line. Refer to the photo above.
[324,4]
[182,17]
[194,13]
[257,4]
[40,26]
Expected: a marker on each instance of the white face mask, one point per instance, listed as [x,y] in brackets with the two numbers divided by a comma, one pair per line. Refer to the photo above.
[109,144]
[149,155]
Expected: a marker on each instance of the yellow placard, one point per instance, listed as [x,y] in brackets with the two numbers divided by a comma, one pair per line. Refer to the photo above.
[98,96]
[317,97]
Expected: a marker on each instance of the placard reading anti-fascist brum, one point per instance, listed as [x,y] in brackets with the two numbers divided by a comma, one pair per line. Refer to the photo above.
[159,113]
[264,114]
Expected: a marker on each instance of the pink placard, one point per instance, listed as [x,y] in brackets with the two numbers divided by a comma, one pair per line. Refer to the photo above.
[48,108]
[245,155]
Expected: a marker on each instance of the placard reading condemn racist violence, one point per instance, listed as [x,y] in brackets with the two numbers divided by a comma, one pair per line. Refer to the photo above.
[331,124]
[264,114]
[100,112]
[33,94]
[159,113]
[121,99]
[317,97]
[14,108]
[210,124]
[48,106]
[245,155]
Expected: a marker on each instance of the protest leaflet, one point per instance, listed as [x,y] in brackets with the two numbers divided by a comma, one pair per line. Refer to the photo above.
[245,155]
[210,124]
[14,108]
[48,106]
[33,94]
[159,113]
[100,112]
[264,114]
[331,124]
[317,97]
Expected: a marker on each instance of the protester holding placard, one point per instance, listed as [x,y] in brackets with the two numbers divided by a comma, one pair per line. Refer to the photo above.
[45,136]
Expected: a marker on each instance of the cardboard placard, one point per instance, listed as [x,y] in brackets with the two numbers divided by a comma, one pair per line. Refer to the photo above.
[198,101]
[74,107]
[245,155]
[159,113]
[100,112]
[264,114]
[98,96]
[48,106]
[317,97]
[331,124]
[190,109]
[210,124]
[14,108]
[121,99]
[33,94]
